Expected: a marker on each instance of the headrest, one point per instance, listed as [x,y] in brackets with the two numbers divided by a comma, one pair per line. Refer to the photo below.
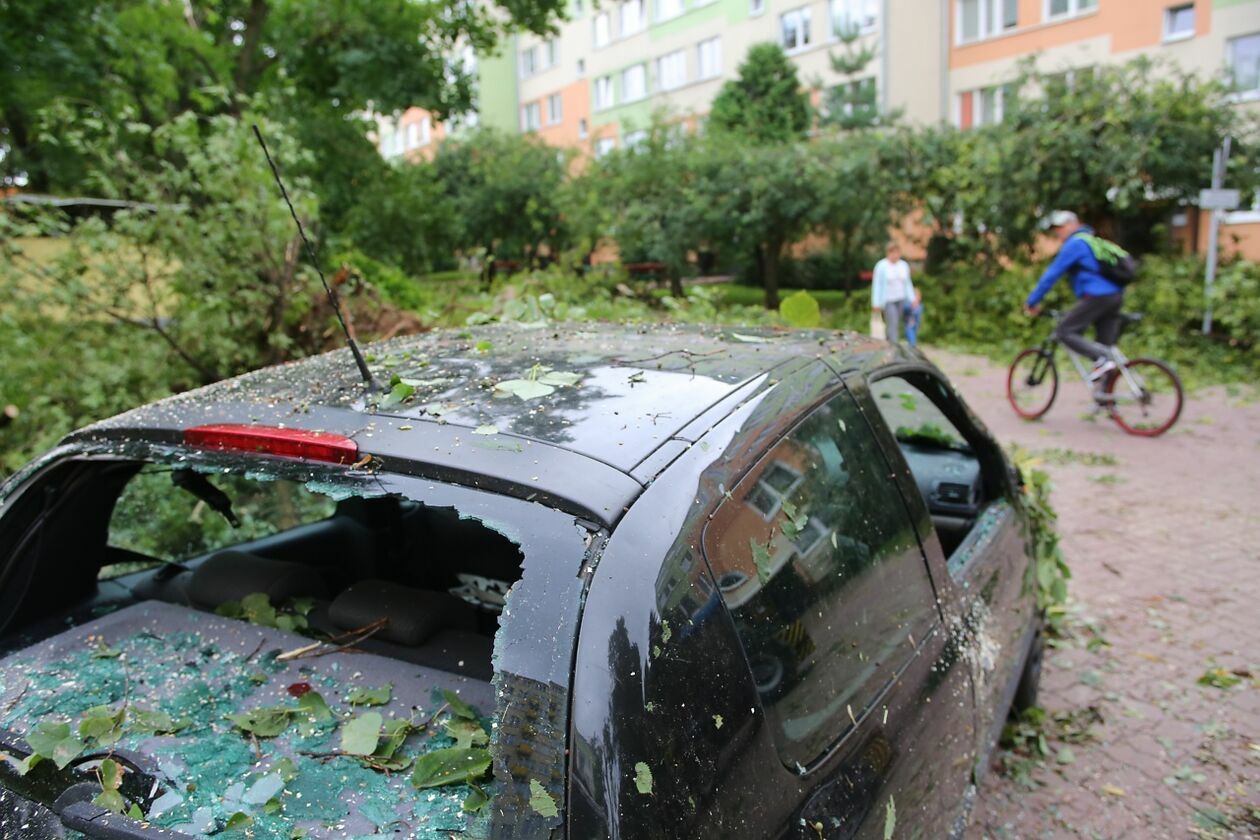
[413,615]
[231,575]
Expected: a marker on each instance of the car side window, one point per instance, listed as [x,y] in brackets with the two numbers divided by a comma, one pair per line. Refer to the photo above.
[816,559]
[945,465]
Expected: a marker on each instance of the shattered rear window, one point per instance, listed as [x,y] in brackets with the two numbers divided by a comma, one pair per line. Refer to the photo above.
[315,653]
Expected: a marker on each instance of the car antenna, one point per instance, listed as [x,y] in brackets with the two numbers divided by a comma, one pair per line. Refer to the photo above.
[368,379]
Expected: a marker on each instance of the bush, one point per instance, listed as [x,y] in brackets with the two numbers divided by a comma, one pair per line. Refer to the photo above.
[969,310]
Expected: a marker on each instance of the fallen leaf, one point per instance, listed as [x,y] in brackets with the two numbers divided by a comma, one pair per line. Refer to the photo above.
[643,778]
[1112,790]
[541,801]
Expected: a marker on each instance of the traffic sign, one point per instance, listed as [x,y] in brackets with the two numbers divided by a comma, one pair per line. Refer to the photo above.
[1218,199]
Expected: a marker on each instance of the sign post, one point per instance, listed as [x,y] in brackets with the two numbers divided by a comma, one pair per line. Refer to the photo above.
[1216,200]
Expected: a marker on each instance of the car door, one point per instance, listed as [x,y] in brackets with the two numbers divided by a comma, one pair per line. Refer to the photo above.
[821,571]
[958,486]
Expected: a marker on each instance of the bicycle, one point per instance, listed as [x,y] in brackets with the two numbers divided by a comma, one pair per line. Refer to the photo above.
[1143,396]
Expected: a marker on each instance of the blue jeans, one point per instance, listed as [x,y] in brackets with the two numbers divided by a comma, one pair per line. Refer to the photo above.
[914,316]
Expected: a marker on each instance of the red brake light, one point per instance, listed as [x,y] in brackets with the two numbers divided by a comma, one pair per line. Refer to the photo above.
[289,443]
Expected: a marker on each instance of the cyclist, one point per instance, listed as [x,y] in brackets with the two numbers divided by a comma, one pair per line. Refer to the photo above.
[1099,299]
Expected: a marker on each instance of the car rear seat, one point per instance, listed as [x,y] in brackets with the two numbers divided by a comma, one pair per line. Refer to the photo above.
[231,575]
[423,627]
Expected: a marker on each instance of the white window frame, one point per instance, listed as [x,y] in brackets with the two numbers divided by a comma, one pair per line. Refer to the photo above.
[633,138]
[668,9]
[802,15]
[671,70]
[604,145]
[426,130]
[1074,9]
[1248,94]
[601,36]
[626,95]
[756,8]
[413,135]
[583,129]
[581,66]
[991,22]
[529,61]
[551,53]
[1170,15]
[716,71]
[865,14]
[637,22]
[555,109]
[531,116]
[605,93]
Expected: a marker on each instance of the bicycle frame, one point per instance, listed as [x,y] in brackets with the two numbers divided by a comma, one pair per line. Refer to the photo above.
[1121,361]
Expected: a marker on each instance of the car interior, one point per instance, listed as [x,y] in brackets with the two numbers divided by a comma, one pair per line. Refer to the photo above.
[427,583]
[947,466]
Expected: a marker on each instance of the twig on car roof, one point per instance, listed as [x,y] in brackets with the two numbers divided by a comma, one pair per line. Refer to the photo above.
[337,644]
[19,697]
[690,354]
[261,642]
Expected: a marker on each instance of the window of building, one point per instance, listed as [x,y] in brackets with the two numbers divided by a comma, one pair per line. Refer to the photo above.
[756,7]
[671,70]
[413,135]
[1243,56]
[1179,22]
[529,62]
[794,29]
[581,66]
[830,595]
[583,131]
[603,92]
[603,30]
[984,106]
[709,58]
[551,50]
[666,9]
[604,145]
[530,117]
[985,18]
[634,83]
[633,139]
[1066,8]
[633,17]
[857,99]
[426,131]
[854,16]
[577,8]
[554,113]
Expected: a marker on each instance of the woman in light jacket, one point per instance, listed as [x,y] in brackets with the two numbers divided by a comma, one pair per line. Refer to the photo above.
[891,290]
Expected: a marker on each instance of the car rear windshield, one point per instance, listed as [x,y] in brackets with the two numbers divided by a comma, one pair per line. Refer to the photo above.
[358,646]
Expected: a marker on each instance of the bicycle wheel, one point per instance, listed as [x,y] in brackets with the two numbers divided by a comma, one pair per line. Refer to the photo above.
[1149,404]
[1032,383]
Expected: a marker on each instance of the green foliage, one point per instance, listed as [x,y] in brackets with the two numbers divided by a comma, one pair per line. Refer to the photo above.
[450,766]
[256,608]
[765,103]
[800,309]
[1050,569]
[504,193]
[541,801]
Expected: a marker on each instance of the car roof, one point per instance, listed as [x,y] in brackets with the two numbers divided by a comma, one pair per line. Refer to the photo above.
[634,388]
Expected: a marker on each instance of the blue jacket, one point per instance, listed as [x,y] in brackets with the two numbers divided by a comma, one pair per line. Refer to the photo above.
[1075,258]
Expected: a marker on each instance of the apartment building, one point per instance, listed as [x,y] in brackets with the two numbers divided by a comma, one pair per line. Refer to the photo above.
[599,82]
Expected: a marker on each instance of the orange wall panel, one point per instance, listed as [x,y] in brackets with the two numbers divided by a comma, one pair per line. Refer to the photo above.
[575,105]
[1131,24]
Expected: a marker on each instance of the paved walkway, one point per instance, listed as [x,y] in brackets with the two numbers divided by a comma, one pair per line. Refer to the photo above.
[1164,546]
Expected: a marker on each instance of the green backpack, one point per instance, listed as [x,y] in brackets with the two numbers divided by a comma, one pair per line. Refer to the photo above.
[1114,263]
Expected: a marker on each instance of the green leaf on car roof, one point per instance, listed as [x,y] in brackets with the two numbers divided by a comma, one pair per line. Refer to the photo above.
[643,778]
[110,774]
[238,822]
[890,819]
[313,705]
[458,707]
[151,722]
[361,735]
[54,741]
[101,725]
[486,429]
[397,395]
[393,733]
[449,766]
[476,800]
[467,733]
[263,722]
[762,560]
[542,801]
[363,696]
[526,389]
[104,651]
[560,378]
[483,346]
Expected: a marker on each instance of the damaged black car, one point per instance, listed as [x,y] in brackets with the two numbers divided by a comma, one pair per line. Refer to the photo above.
[593,581]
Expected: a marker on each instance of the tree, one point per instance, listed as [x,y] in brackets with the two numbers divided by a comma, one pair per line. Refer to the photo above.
[505,193]
[854,103]
[765,103]
[650,193]
[149,60]
[759,199]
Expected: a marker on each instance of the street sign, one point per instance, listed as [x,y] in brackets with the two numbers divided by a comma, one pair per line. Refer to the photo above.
[1218,199]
